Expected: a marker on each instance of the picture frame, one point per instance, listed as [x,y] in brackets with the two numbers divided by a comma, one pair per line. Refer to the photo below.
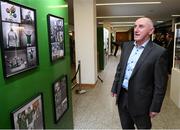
[176,52]
[30,115]
[19,48]
[56,37]
[60,97]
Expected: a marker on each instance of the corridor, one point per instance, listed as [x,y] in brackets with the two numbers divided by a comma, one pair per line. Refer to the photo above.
[96,109]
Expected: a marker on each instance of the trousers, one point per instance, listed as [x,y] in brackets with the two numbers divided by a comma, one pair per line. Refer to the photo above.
[128,121]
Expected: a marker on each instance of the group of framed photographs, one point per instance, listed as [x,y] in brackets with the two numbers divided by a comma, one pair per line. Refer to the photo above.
[19,38]
[30,115]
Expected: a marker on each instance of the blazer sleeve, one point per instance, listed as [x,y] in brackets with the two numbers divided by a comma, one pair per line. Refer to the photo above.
[116,78]
[118,73]
[160,81]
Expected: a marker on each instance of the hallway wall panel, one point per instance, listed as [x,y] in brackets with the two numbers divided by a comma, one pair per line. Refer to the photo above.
[16,90]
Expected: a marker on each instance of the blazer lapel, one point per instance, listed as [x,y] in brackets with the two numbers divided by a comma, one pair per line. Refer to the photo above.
[145,53]
[127,53]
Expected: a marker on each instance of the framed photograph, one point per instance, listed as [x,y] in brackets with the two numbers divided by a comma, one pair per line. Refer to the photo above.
[176,55]
[60,97]
[30,115]
[56,37]
[19,38]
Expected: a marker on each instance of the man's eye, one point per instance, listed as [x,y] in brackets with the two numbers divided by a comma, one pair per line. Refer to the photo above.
[141,26]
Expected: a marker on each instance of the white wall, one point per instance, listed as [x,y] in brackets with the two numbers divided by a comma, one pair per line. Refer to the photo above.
[85,39]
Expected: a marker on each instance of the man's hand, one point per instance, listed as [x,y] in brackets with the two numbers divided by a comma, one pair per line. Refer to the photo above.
[153,114]
[113,94]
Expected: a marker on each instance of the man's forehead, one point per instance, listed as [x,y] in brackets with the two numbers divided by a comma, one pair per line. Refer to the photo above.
[141,21]
[144,21]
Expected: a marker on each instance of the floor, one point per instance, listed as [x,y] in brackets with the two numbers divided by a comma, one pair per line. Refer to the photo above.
[96,109]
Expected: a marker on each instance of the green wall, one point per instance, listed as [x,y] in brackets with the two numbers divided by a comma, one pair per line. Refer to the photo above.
[100,48]
[15,90]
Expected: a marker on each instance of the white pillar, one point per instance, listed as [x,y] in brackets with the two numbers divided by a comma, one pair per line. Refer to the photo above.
[85,39]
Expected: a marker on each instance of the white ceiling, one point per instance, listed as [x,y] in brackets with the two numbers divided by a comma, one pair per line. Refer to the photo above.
[157,12]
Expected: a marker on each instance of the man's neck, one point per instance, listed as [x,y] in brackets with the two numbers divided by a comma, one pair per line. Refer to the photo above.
[140,43]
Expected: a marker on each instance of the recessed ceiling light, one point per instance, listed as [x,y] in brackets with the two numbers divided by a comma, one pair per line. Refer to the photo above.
[122,22]
[135,16]
[116,22]
[128,3]
[123,25]
[175,15]
[57,6]
[159,21]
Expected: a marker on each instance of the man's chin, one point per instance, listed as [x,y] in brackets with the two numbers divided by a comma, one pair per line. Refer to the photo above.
[136,39]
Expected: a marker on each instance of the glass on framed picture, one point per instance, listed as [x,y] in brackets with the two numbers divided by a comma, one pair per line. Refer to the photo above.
[60,97]
[30,115]
[56,37]
[10,12]
[10,35]
[177,46]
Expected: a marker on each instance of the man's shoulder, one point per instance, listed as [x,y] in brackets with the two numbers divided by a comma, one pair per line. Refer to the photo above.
[158,47]
[159,50]
[128,43]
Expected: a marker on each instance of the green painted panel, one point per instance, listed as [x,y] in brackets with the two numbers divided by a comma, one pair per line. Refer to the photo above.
[15,90]
[100,48]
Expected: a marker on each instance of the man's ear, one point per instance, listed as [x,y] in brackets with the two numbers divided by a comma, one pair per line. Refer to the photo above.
[151,31]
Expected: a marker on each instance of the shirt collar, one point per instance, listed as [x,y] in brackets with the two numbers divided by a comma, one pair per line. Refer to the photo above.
[142,45]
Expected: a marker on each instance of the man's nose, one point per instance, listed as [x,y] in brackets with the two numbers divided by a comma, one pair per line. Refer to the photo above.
[135,29]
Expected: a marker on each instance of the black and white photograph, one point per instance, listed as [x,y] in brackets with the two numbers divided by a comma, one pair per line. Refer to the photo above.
[60,97]
[31,56]
[15,61]
[177,46]
[56,37]
[27,35]
[178,33]
[11,35]
[30,115]
[56,51]
[10,12]
[19,50]
[27,16]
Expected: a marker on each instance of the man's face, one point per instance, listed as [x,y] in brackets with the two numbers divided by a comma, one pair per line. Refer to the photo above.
[142,30]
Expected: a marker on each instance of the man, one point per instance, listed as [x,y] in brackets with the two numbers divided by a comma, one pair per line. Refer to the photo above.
[141,78]
[117,44]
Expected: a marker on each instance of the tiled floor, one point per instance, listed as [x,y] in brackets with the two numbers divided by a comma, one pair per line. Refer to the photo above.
[96,109]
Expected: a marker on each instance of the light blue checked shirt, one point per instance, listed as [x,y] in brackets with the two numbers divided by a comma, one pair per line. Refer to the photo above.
[133,58]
